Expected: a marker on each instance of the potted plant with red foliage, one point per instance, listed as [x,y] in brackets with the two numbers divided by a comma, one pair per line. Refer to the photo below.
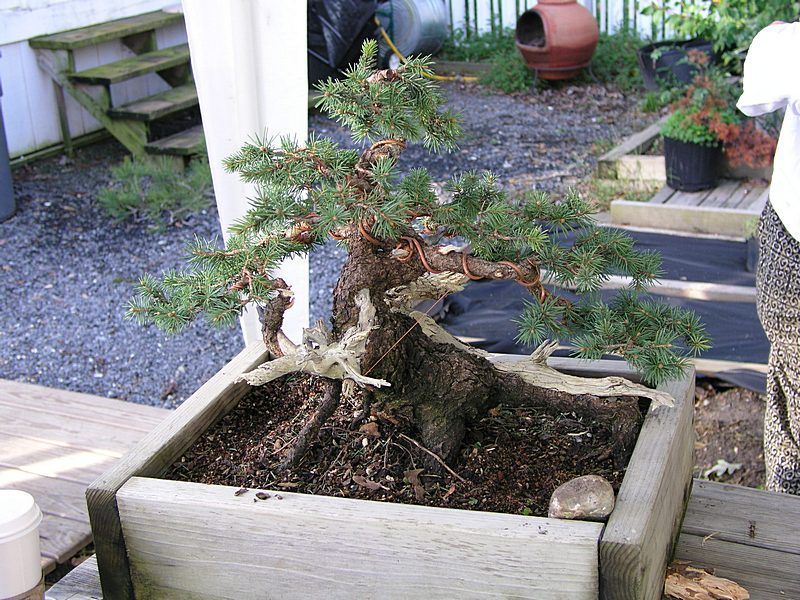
[704,126]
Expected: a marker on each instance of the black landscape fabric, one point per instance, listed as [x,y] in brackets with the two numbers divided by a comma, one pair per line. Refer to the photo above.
[483,312]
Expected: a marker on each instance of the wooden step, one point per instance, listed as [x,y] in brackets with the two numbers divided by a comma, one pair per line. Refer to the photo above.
[158,105]
[184,143]
[128,68]
[103,32]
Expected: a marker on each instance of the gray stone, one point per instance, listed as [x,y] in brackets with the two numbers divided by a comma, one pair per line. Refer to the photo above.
[590,497]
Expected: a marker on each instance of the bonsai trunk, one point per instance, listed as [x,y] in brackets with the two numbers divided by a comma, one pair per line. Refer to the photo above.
[438,385]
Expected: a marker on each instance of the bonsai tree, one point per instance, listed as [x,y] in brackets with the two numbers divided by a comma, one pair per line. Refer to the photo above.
[399,237]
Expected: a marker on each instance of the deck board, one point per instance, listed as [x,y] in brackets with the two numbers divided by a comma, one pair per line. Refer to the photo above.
[688,198]
[719,195]
[663,195]
[53,444]
[726,210]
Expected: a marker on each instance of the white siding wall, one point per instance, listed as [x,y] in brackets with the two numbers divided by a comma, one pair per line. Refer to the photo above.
[30,114]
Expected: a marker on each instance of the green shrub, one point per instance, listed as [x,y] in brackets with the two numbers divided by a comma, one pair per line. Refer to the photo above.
[509,73]
[729,24]
[615,62]
[477,47]
[153,190]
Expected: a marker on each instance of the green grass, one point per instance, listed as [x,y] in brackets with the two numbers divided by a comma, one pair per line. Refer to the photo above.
[614,60]
[603,191]
[154,191]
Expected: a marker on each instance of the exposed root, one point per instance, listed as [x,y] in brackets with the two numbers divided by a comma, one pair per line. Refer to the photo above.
[308,434]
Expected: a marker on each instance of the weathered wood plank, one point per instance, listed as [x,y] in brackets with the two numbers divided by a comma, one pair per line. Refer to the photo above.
[753,195]
[135,66]
[158,105]
[96,101]
[688,198]
[663,195]
[53,460]
[743,515]
[719,195]
[53,428]
[104,32]
[61,539]
[153,455]
[737,197]
[53,443]
[712,367]
[82,583]
[388,550]
[74,405]
[766,574]
[184,143]
[723,221]
[55,495]
[760,202]
[697,290]
[633,144]
[640,535]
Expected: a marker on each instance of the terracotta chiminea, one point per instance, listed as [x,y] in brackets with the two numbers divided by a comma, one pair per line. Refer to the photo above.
[557,38]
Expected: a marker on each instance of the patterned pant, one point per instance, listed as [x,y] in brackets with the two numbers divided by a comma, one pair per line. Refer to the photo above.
[778,303]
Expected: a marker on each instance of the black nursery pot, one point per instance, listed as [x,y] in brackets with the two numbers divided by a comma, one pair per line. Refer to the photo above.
[691,167]
[672,63]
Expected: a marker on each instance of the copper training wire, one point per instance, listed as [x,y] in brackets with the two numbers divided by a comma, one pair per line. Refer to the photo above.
[465,266]
[366,234]
[409,252]
[421,253]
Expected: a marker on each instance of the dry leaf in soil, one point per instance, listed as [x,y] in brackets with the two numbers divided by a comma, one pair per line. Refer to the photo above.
[367,483]
[413,479]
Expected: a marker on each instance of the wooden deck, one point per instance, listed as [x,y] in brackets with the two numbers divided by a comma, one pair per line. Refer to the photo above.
[746,535]
[726,210]
[53,444]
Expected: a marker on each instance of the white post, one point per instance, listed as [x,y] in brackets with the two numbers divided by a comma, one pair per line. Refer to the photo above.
[250,67]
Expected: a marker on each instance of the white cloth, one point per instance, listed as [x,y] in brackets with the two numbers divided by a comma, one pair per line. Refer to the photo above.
[771,82]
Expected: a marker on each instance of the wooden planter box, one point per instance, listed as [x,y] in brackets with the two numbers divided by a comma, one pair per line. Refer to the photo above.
[164,539]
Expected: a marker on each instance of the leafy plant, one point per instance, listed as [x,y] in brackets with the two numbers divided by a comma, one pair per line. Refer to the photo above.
[614,60]
[705,115]
[509,73]
[154,190]
[477,47]
[729,24]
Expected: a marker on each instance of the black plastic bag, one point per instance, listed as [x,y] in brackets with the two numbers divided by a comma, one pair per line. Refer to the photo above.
[336,30]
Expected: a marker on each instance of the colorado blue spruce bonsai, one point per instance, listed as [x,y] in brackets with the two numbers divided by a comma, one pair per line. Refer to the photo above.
[399,236]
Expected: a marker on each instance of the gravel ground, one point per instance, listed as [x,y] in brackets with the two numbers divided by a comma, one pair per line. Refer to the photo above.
[67,271]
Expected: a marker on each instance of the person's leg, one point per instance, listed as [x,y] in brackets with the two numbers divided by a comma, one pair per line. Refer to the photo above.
[778,303]
[782,422]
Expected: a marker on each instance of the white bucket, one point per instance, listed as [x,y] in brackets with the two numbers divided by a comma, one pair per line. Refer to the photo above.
[20,561]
